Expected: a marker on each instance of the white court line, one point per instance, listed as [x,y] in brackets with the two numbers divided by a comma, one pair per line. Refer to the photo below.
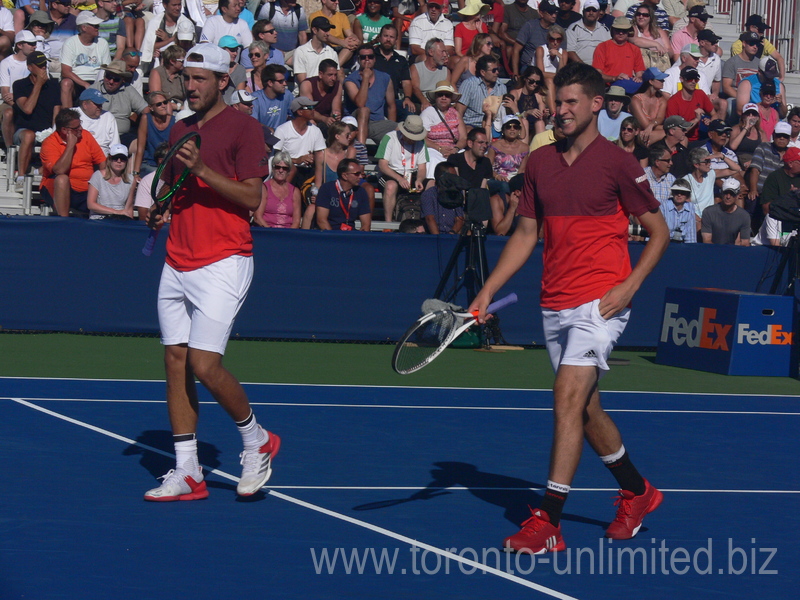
[417,387]
[434,407]
[386,532]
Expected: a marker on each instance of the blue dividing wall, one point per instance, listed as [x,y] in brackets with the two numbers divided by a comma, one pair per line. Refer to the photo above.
[77,275]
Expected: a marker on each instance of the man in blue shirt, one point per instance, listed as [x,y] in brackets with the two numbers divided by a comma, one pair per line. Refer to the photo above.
[271,105]
[476,89]
[369,97]
[679,213]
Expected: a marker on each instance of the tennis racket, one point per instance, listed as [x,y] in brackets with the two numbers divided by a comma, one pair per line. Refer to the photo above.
[433,332]
[162,202]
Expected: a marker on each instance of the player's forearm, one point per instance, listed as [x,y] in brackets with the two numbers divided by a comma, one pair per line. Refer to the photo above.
[245,193]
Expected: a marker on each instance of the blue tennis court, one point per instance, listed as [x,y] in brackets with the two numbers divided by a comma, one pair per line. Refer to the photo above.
[389,492]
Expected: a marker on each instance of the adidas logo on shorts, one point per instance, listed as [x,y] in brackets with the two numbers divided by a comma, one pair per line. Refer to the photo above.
[590,354]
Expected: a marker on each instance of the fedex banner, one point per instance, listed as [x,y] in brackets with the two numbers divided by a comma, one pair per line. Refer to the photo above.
[734,333]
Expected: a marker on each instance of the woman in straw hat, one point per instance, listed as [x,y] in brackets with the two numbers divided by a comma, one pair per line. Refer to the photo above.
[447,133]
[470,26]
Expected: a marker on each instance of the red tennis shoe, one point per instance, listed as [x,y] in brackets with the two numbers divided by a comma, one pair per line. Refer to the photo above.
[631,511]
[537,536]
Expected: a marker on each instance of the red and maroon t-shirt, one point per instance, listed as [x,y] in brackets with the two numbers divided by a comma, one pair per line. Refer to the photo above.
[206,227]
[583,210]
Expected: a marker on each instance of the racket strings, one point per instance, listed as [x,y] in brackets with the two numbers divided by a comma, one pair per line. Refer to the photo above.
[425,340]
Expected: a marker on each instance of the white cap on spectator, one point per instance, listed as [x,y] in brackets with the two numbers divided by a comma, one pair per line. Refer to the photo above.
[87,17]
[214,58]
[750,106]
[591,4]
[241,96]
[25,36]
[782,127]
[186,31]
[118,150]
[731,185]
[350,121]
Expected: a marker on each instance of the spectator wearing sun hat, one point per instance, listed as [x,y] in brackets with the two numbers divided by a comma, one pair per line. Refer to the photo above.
[124,102]
[679,213]
[611,116]
[618,59]
[402,161]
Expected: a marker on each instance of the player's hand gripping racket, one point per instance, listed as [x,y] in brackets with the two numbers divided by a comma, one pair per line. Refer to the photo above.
[162,202]
[433,332]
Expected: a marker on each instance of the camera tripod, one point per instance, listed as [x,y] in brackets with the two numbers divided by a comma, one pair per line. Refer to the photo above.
[790,263]
[472,243]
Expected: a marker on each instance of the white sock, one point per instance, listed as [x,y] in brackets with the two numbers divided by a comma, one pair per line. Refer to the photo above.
[253,436]
[186,457]
[612,458]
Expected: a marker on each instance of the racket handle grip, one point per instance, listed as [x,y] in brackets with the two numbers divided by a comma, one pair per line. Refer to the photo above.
[502,303]
[150,244]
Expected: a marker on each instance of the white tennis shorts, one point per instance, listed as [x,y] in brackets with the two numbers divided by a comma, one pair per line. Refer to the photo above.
[198,307]
[580,336]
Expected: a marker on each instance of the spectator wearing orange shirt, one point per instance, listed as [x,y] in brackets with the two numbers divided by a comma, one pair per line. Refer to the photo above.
[619,60]
[69,157]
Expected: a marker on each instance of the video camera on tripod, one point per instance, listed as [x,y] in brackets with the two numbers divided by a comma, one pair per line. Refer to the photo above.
[455,192]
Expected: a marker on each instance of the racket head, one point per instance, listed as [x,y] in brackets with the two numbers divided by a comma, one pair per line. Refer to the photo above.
[427,338]
[165,198]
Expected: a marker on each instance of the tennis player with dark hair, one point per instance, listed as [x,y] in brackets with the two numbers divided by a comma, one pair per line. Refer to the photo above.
[587,287]
[208,272]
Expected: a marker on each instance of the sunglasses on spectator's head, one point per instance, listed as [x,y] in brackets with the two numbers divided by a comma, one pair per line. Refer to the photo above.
[133,53]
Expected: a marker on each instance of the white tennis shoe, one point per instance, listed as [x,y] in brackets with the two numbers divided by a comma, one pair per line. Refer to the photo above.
[178,485]
[257,466]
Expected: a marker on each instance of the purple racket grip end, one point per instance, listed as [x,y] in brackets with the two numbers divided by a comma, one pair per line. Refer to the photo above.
[502,303]
[150,244]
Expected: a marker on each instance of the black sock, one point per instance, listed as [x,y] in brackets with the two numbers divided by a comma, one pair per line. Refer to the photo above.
[555,496]
[626,474]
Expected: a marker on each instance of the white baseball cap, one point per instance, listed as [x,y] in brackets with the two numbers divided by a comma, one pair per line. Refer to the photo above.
[590,4]
[25,36]
[731,185]
[241,96]
[118,150]
[186,31]
[88,17]
[782,127]
[214,58]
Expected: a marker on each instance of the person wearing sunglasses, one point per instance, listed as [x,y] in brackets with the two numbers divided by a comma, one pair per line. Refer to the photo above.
[531,99]
[476,90]
[549,58]
[701,179]
[281,205]
[585,34]
[343,201]
[124,102]
[464,69]
[726,222]
[81,57]
[153,130]
[509,155]
[111,190]
[653,41]
[691,103]
[628,140]
[619,60]
[168,76]
[163,31]
[610,118]
[532,35]
[741,65]
[369,96]
[678,211]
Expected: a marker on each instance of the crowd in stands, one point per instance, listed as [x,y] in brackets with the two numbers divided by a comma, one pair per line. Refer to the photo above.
[359,98]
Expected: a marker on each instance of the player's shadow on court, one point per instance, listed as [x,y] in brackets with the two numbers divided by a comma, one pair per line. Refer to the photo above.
[157,464]
[511,494]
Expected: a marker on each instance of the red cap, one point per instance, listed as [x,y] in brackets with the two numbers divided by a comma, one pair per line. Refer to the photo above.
[792,154]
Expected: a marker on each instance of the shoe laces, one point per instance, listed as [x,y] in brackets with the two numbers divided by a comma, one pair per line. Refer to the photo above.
[250,459]
[625,507]
[534,523]
[169,476]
